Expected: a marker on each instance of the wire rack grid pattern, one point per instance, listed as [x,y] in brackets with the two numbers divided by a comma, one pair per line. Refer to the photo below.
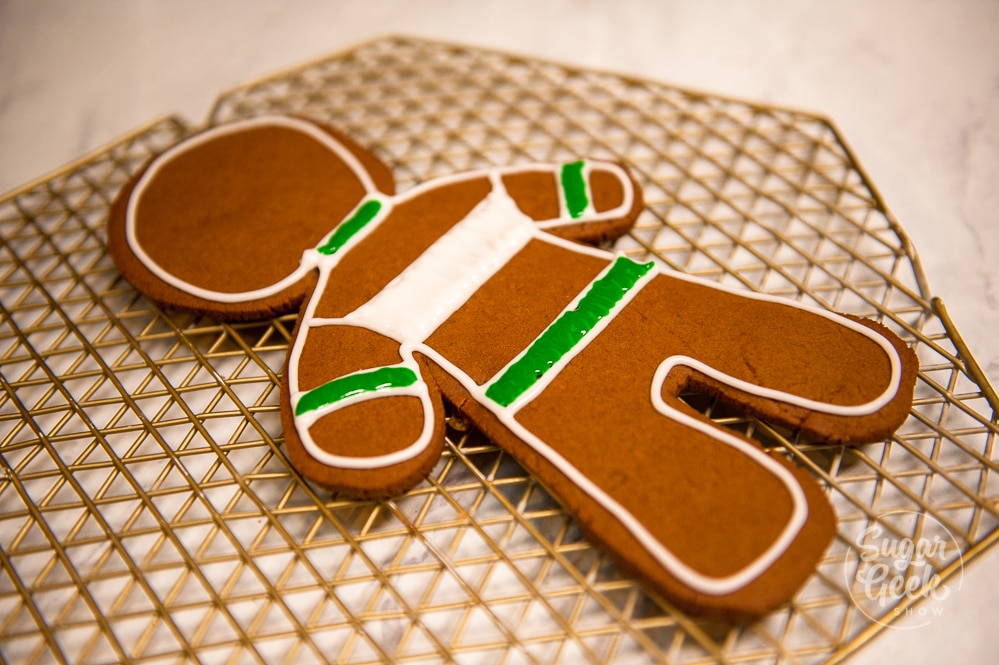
[148,513]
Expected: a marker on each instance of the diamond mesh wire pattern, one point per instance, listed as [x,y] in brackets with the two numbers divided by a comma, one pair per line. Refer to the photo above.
[147,510]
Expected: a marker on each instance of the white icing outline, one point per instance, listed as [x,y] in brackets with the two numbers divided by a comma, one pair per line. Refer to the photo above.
[409,345]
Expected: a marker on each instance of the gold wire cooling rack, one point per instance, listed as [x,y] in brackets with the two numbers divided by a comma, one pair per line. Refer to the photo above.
[147,510]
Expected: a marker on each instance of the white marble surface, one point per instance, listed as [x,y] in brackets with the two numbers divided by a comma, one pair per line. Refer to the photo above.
[913,85]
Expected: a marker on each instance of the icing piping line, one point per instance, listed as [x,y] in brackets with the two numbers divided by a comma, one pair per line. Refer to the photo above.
[799,510]
[863,409]
[497,219]
[388,459]
[408,373]
[599,302]
[574,189]
[374,380]
[363,215]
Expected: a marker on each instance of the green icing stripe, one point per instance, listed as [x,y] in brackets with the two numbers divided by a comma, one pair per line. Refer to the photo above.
[567,330]
[574,188]
[349,227]
[382,378]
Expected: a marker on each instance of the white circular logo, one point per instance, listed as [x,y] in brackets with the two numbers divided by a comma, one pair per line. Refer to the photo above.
[893,568]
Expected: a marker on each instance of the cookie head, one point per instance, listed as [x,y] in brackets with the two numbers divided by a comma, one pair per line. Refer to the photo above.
[218,223]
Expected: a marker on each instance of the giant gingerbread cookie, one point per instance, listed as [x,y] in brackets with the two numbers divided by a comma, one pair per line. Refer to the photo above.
[478,288]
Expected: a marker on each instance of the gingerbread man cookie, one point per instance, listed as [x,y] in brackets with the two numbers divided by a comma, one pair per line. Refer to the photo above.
[480,288]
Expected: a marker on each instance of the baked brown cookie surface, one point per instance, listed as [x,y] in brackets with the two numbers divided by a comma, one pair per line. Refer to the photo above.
[479,289]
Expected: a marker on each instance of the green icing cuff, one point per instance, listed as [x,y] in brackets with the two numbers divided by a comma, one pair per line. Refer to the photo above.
[382,378]
[349,227]
[574,187]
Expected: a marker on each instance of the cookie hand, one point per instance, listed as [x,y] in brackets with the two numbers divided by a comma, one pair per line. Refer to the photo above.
[591,201]
[357,411]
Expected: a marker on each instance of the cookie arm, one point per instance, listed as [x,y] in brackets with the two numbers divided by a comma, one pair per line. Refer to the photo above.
[358,415]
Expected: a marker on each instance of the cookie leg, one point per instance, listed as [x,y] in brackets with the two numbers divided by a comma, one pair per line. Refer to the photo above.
[358,416]
[835,378]
[700,513]
[703,513]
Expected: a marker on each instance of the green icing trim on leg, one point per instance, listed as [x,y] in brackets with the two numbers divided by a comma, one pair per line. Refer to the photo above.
[574,187]
[372,380]
[567,330]
[349,227]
